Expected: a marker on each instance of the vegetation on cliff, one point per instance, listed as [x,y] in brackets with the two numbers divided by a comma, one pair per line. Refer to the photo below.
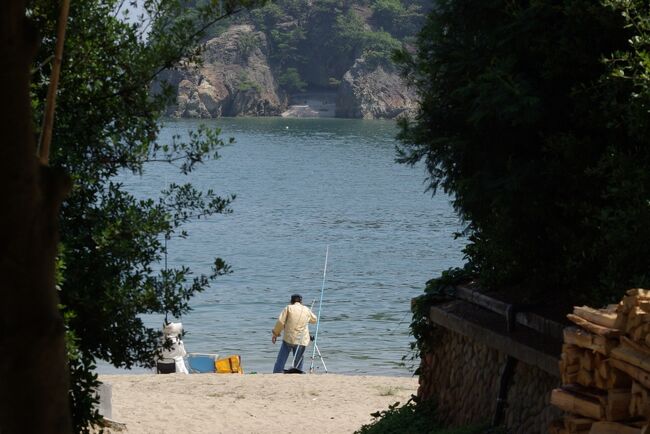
[534,117]
[313,44]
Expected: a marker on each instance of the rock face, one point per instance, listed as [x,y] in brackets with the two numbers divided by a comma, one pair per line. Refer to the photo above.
[234,79]
[372,92]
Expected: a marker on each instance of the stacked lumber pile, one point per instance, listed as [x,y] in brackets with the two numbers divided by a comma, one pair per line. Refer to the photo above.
[605,369]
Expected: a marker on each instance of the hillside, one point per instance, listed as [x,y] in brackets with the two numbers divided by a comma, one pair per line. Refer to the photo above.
[303,58]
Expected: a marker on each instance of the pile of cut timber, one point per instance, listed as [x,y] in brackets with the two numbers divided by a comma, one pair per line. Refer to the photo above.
[605,369]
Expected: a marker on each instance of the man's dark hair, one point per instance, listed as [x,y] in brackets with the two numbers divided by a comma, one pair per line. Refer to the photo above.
[296,298]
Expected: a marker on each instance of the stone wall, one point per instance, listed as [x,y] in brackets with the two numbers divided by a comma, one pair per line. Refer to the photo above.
[463,376]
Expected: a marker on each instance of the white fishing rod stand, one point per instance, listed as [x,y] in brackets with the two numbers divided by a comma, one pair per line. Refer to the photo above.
[320,305]
[316,351]
[311,366]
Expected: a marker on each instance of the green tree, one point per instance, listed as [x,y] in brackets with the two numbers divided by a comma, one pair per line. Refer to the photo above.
[387,12]
[396,18]
[534,117]
[107,123]
[379,48]
[291,81]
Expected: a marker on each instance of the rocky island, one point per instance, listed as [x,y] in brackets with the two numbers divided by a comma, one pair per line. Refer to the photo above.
[331,58]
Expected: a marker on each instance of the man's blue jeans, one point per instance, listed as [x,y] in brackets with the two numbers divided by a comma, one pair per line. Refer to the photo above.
[283,355]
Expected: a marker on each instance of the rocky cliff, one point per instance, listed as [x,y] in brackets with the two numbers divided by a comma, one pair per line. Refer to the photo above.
[293,50]
[234,79]
[373,91]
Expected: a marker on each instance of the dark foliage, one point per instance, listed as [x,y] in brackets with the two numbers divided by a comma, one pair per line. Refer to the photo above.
[107,122]
[534,116]
[415,418]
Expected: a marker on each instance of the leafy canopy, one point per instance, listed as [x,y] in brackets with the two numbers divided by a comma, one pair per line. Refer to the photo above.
[107,123]
[534,115]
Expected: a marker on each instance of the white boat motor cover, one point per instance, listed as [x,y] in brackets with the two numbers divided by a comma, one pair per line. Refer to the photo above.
[172,331]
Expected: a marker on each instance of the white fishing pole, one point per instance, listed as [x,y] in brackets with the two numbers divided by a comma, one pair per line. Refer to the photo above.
[320,305]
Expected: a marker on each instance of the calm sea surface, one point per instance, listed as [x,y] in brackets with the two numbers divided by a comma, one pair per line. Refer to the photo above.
[301,185]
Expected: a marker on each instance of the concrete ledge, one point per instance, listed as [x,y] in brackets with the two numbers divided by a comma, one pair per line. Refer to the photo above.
[529,319]
[490,329]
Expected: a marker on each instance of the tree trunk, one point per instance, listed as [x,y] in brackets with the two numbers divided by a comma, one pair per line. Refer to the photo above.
[33,365]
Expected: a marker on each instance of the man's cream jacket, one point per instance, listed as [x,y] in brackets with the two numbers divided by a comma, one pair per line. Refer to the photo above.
[293,320]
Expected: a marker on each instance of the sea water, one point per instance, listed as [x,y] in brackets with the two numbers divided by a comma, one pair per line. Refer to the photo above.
[303,185]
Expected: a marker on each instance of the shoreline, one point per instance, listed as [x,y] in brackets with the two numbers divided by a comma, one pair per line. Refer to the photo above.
[252,403]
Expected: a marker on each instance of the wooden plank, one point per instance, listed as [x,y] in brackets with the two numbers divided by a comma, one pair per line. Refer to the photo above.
[573,403]
[632,353]
[644,305]
[628,303]
[572,369]
[585,378]
[635,372]
[557,427]
[584,339]
[601,365]
[637,399]
[599,381]
[638,293]
[639,333]
[636,345]
[618,404]
[613,428]
[643,315]
[569,378]
[635,406]
[594,328]
[568,369]
[578,337]
[587,361]
[617,379]
[642,398]
[571,353]
[631,356]
[575,424]
[600,317]
[636,317]
[591,392]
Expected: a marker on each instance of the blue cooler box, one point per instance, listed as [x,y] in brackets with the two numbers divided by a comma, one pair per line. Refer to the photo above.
[201,363]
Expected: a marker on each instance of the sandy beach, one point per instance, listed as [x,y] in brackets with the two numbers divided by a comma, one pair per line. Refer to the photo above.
[252,403]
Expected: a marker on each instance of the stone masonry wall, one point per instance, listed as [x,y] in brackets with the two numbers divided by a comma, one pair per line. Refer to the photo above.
[462,376]
[529,410]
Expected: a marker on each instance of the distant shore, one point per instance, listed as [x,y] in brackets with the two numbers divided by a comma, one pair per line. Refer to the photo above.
[252,403]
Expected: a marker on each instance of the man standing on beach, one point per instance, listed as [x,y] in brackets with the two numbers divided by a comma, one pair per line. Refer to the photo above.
[293,320]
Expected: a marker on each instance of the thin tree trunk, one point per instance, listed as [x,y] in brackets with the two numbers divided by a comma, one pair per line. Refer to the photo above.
[33,365]
[50,104]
